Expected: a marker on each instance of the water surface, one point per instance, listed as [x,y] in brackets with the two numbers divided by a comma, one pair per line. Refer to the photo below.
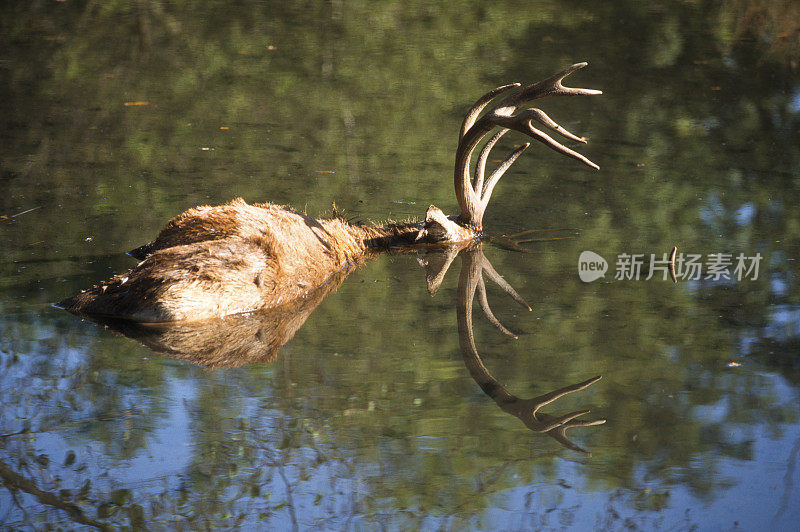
[113,119]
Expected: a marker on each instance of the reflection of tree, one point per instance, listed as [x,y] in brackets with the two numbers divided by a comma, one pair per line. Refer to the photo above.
[710,133]
[775,24]
[14,481]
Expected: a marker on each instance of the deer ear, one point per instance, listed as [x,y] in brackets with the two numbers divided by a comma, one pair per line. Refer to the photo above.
[436,264]
[438,228]
[434,214]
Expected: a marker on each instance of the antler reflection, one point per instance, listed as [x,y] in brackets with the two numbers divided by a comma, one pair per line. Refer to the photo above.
[474,265]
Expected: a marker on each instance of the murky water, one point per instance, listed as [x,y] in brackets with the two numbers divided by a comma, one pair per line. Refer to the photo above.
[114,119]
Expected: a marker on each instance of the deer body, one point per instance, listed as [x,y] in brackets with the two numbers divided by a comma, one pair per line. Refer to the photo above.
[233,258]
[211,262]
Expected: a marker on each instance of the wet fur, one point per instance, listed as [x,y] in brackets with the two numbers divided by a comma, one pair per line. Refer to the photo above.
[217,261]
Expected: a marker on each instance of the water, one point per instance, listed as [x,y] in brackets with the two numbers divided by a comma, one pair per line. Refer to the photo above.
[369,417]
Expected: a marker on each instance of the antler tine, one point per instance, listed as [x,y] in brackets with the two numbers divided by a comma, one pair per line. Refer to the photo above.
[484,302]
[502,283]
[480,166]
[498,173]
[483,101]
[522,122]
[561,392]
[541,117]
[560,433]
[552,422]
[551,86]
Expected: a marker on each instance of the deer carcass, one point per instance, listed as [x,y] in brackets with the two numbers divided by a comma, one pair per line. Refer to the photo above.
[211,262]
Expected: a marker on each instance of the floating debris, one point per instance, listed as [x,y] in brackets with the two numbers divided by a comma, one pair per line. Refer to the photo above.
[672,264]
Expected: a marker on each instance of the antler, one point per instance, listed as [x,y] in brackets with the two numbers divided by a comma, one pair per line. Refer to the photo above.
[474,265]
[473,194]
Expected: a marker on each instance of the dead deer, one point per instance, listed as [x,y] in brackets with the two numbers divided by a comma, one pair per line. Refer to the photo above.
[211,262]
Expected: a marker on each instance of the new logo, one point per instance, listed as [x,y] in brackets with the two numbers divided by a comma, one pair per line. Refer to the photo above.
[591,266]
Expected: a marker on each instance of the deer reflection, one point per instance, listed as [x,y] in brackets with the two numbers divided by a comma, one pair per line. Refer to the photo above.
[474,266]
[258,336]
[230,341]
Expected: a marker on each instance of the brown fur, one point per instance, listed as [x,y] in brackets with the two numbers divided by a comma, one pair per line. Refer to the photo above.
[216,261]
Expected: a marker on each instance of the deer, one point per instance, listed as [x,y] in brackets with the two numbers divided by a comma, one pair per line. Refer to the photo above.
[217,261]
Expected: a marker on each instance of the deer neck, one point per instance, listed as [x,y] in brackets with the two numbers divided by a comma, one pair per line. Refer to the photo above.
[437,228]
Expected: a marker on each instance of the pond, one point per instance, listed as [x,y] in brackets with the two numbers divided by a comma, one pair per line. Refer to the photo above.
[370,411]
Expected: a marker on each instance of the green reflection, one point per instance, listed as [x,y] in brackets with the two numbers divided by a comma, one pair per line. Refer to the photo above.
[697,138]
